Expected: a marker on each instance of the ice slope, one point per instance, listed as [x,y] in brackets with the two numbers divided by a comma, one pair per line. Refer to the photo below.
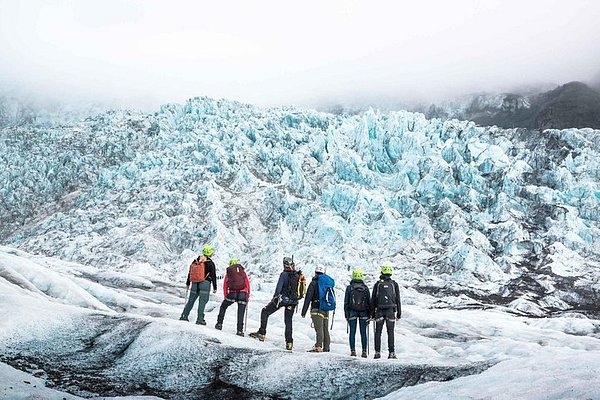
[468,214]
[135,346]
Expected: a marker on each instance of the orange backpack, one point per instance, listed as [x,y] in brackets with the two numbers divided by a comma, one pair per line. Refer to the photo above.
[197,270]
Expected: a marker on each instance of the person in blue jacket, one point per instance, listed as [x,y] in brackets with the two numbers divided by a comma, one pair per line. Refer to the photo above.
[286,296]
[357,305]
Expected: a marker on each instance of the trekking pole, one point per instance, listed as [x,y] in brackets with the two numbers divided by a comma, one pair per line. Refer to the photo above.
[246,319]
[368,328]
[332,318]
[374,332]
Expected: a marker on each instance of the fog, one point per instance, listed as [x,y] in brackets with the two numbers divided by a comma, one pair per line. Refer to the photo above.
[143,53]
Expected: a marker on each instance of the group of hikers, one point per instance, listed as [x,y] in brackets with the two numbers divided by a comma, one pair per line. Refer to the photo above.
[360,306]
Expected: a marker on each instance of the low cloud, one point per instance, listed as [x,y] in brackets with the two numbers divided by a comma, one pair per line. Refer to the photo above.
[144,53]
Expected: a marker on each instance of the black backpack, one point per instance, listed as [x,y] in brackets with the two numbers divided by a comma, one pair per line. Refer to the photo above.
[289,294]
[386,295]
[359,297]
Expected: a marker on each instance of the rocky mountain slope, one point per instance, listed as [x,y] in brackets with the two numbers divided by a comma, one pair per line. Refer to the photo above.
[573,105]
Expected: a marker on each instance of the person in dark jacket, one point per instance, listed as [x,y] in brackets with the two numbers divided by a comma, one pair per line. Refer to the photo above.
[319,317]
[385,309]
[357,308]
[200,286]
[236,288]
[283,297]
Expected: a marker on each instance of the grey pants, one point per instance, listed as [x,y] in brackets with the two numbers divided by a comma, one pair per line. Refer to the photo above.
[320,321]
[200,291]
[387,318]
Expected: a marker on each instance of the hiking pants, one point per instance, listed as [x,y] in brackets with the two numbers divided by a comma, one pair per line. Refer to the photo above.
[232,297]
[361,320]
[200,291]
[287,317]
[387,317]
[320,321]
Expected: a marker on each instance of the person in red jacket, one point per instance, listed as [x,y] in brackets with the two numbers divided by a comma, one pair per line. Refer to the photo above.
[236,288]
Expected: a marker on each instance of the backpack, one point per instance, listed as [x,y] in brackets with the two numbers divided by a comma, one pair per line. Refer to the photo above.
[326,293]
[236,277]
[359,297]
[291,291]
[197,271]
[301,285]
[386,295]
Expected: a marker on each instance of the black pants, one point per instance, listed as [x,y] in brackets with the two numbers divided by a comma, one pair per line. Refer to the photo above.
[387,317]
[232,297]
[287,317]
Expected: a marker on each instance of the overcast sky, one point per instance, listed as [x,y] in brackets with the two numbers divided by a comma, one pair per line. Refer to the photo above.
[144,53]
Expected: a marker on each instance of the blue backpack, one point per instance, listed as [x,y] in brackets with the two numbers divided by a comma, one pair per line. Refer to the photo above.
[326,293]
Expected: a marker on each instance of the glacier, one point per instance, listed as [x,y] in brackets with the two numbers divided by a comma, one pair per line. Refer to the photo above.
[455,207]
[493,235]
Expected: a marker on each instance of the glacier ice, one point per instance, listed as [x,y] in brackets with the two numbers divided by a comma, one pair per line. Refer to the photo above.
[490,205]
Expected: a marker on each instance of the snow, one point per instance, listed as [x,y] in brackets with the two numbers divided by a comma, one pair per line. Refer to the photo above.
[549,375]
[484,353]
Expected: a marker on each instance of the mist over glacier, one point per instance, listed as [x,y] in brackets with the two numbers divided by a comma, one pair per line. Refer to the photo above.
[493,235]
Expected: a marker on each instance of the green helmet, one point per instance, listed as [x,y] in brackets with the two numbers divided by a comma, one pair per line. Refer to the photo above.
[386,269]
[234,261]
[208,250]
[357,274]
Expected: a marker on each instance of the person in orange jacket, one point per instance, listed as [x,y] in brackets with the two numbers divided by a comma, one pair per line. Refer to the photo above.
[236,288]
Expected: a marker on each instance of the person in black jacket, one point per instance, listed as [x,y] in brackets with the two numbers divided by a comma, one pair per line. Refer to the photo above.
[385,308]
[357,308]
[285,296]
[200,287]
[319,317]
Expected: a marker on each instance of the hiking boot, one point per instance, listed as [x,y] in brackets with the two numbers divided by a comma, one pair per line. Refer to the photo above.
[289,346]
[392,355]
[258,336]
[316,349]
[240,333]
[219,326]
[352,353]
[203,322]
[364,354]
[377,355]
[326,350]
[183,318]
